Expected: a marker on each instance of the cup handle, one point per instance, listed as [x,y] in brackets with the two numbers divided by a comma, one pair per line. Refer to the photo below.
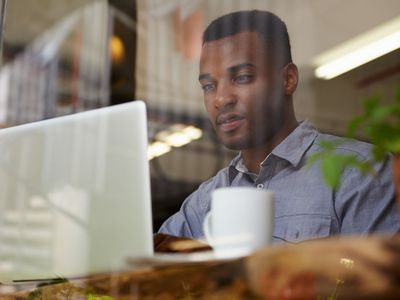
[207,228]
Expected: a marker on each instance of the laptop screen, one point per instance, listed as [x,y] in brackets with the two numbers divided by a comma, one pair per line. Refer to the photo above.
[75,193]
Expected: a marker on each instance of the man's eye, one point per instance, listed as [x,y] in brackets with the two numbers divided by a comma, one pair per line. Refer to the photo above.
[244,78]
[207,87]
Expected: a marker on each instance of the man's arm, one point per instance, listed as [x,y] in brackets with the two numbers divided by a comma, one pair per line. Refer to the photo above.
[188,221]
[177,225]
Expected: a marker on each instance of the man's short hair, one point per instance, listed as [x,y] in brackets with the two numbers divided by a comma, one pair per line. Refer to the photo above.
[269,26]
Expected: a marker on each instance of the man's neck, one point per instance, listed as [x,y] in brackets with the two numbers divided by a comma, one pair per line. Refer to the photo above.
[253,157]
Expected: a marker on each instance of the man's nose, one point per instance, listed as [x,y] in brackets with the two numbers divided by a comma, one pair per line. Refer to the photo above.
[224,96]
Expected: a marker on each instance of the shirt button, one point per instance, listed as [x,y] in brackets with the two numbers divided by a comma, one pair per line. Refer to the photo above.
[260,186]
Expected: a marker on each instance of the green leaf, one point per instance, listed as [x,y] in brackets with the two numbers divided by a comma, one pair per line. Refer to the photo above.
[378,153]
[332,169]
[370,104]
[381,125]
[354,125]
[393,145]
[364,166]
[381,112]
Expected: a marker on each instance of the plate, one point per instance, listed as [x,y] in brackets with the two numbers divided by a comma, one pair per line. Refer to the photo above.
[166,259]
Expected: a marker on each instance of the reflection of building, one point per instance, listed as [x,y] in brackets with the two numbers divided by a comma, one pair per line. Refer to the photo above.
[25,240]
[42,237]
[67,68]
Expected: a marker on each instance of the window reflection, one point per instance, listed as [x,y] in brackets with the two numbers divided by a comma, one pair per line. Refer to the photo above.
[91,54]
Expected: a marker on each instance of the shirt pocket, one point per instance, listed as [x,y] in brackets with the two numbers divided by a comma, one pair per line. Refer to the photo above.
[297,228]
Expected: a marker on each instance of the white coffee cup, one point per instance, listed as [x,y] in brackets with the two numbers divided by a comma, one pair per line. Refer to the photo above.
[240,221]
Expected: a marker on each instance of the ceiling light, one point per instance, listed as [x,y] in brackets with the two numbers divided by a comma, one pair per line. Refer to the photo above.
[176,135]
[157,149]
[179,135]
[177,139]
[358,51]
[192,132]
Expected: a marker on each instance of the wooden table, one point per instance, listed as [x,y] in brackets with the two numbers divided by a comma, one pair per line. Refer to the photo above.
[327,269]
[210,280]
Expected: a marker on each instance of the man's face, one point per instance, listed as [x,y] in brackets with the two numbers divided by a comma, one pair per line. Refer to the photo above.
[243,93]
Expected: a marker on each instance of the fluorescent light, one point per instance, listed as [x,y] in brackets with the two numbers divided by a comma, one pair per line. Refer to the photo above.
[358,51]
[176,135]
[157,149]
[177,139]
[192,132]
[179,135]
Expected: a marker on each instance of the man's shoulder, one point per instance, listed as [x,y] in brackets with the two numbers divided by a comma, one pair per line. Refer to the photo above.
[363,150]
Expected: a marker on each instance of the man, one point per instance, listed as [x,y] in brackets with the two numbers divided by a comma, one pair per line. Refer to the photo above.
[248,79]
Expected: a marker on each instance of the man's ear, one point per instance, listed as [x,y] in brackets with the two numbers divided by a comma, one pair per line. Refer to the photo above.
[290,78]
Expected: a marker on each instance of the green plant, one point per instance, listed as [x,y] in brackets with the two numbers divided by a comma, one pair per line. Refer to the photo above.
[380,123]
[333,162]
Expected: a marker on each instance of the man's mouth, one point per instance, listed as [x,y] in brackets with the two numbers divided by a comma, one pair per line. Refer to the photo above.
[229,122]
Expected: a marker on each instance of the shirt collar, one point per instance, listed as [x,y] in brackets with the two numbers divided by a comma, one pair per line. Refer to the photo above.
[291,149]
[295,145]
[235,166]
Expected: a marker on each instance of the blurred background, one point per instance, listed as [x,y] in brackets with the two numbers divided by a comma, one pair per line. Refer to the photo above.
[64,56]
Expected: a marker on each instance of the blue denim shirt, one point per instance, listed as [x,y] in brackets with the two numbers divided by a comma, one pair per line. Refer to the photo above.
[305,207]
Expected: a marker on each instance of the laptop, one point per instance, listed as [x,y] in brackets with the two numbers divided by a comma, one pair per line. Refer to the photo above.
[75,194]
